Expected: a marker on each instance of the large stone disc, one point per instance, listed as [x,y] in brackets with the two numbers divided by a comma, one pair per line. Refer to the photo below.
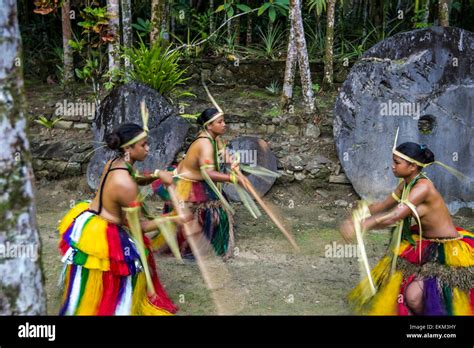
[253,151]
[423,82]
[122,105]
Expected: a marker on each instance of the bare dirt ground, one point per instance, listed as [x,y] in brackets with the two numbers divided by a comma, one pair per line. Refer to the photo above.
[267,277]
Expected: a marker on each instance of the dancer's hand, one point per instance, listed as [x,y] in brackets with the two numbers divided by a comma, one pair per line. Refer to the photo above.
[166,177]
[347,230]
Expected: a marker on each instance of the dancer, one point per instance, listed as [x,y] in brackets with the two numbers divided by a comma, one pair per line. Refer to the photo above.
[106,272]
[428,269]
[202,197]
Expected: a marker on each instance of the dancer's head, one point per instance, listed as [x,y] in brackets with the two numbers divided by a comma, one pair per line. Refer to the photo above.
[131,140]
[213,121]
[404,165]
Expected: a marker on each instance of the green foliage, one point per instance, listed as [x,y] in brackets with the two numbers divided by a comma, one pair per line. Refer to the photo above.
[315,41]
[274,7]
[92,45]
[189,48]
[48,124]
[143,27]
[158,67]
[316,87]
[271,46]
[89,70]
[353,49]
[229,7]
[272,112]
[318,5]
[273,88]
[95,25]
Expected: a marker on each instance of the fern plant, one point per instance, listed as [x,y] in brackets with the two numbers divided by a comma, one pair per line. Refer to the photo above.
[271,45]
[273,88]
[143,27]
[48,124]
[158,67]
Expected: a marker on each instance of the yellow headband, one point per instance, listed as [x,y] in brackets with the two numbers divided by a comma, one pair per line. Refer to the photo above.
[144,134]
[453,171]
[405,157]
[139,137]
[219,113]
[213,118]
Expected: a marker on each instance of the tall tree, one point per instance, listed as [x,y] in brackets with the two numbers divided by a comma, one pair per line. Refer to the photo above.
[127,34]
[303,60]
[21,280]
[366,16]
[211,17]
[237,29]
[426,12]
[248,40]
[290,69]
[328,57]
[297,50]
[113,9]
[159,20]
[443,9]
[68,61]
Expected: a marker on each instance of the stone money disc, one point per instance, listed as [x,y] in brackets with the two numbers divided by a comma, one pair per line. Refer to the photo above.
[253,151]
[122,105]
[421,81]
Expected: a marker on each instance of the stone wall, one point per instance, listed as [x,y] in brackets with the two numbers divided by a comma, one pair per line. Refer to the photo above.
[304,147]
[259,73]
[305,150]
[61,153]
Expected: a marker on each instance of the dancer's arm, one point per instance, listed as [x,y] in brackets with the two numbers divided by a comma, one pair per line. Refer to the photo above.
[418,195]
[206,161]
[387,204]
[165,176]
[382,220]
[128,197]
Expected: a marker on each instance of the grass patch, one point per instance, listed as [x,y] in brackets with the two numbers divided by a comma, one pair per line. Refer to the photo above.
[273,112]
[261,95]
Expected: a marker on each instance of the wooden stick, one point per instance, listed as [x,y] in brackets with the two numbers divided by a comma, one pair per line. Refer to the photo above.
[190,233]
[249,187]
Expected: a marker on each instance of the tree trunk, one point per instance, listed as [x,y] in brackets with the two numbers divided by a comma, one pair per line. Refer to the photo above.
[229,32]
[302,54]
[21,279]
[290,69]
[127,34]
[237,29]
[443,9]
[159,21]
[248,40]
[114,27]
[328,58]
[366,15]
[68,61]
[426,12]
[211,17]
[375,13]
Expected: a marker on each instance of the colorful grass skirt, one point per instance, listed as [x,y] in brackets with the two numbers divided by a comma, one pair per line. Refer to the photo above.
[446,269]
[217,223]
[102,273]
